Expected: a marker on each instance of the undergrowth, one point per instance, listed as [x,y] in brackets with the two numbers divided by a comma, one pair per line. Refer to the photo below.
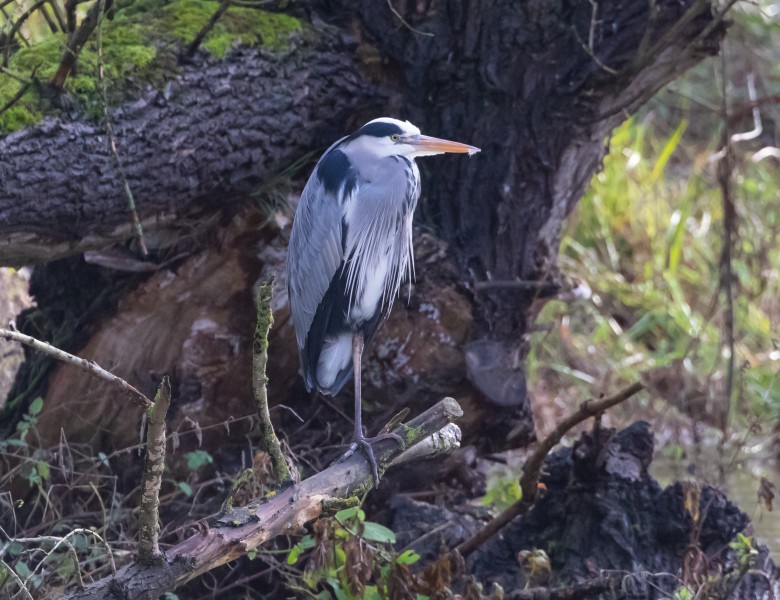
[645,248]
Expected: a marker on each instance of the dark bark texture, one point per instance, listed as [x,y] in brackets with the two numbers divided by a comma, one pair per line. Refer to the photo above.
[603,515]
[212,135]
[537,85]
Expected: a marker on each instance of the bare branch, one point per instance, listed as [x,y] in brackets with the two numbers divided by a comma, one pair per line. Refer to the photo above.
[149,520]
[533,466]
[77,40]
[193,47]
[284,512]
[589,588]
[9,39]
[265,319]
[90,366]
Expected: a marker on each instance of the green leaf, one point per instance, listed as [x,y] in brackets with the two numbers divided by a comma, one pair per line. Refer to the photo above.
[185,487]
[104,459]
[22,570]
[375,532]
[170,596]
[43,469]
[251,554]
[347,514]
[337,590]
[292,556]
[371,593]
[35,406]
[408,557]
[669,148]
[197,459]
[305,543]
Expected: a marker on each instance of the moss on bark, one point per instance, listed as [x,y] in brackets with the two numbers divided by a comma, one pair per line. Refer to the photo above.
[140,46]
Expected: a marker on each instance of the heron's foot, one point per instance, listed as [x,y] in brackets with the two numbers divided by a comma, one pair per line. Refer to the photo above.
[365,444]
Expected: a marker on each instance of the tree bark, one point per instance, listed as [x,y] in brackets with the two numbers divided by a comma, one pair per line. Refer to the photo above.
[537,85]
[212,136]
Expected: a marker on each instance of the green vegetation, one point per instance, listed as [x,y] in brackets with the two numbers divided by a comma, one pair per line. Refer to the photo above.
[647,240]
[350,558]
[139,44]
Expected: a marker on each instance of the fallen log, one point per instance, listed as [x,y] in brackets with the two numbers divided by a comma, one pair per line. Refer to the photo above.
[284,512]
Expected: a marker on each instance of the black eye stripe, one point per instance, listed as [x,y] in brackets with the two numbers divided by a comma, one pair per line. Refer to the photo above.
[379,129]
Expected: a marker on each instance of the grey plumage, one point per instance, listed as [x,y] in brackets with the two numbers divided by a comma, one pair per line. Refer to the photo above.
[351,247]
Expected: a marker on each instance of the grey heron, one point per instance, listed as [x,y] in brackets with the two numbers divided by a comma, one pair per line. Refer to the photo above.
[351,248]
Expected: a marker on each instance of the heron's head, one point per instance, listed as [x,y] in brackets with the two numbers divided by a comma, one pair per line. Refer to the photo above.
[385,137]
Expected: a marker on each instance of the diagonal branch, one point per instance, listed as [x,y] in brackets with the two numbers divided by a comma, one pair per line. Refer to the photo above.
[90,366]
[533,466]
[77,40]
[283,512]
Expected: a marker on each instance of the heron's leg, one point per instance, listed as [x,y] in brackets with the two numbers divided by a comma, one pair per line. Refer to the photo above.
[357,357]
[358,438]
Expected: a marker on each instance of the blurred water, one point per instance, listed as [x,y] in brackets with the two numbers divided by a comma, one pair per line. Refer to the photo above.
[739,481]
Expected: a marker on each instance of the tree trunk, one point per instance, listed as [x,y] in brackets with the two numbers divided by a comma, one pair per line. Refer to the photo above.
[537,85]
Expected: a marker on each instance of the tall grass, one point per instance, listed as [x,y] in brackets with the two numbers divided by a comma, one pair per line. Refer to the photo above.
[647,241]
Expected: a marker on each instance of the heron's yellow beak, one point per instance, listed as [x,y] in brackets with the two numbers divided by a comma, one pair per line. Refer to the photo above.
[427,143]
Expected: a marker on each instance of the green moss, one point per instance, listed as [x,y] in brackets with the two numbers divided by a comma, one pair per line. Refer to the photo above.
[134,44]
[246,26]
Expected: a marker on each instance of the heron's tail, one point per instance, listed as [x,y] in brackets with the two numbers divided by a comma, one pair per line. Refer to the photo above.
[334,365]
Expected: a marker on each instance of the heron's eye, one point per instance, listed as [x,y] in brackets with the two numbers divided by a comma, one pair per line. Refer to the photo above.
[395,137]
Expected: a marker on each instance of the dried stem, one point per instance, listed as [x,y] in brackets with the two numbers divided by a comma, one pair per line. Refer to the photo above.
[9,39]
[265,319]
[76,42]
[6,568]
[533,466]
[149,519]
[195,44]
[725,168]
[89,366]
[139,232]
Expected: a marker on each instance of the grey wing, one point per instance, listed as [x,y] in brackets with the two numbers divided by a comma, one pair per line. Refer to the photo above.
[315,253]
[380,233]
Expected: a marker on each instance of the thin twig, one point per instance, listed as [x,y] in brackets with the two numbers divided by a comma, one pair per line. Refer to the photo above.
[149,519]
[58,541]
[515,284]
[90,366]
[265,319]
[403,21]
[139,232]
[589,50]
[7,569]
[55,8]
[533,466]
[582,589]
[193,47]
[21,79]
[725,167]
[17,96]
[9,40]
[49,21]
[77,40]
